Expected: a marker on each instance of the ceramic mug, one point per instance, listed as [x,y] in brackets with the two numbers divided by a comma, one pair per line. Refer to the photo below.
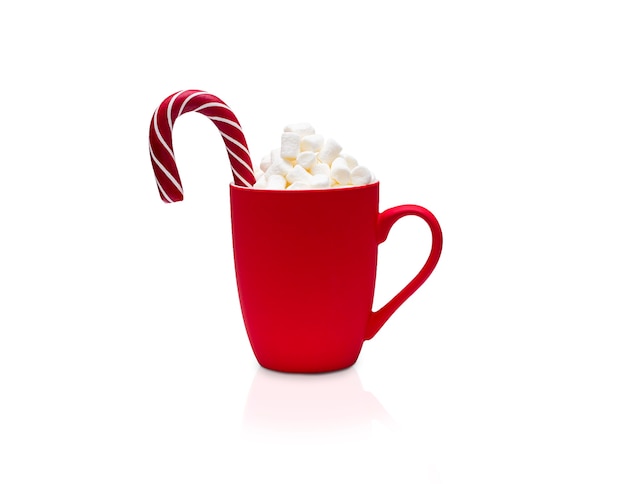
[305,263]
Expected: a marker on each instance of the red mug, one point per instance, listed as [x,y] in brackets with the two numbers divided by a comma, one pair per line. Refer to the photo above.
[305,263]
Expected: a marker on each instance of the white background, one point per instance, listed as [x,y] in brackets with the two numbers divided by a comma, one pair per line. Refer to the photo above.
[123,356]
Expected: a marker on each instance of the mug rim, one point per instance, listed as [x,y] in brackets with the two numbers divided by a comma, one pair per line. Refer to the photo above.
[314,190]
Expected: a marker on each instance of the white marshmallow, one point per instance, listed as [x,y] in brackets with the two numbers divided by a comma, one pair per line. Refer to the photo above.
[278,167]
[275,155]
[276,182]
[340,172]
[339,161]
[303,129]
[306,159]
[320,169]
[289,145]
[298,186]
[329,151]
[261,182]
[266,162]
[361,176]
[276,158]
[313,142]
[320,181]
[350,160]
[299,174]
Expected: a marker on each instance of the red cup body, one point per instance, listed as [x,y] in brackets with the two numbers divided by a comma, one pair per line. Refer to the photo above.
[305,263]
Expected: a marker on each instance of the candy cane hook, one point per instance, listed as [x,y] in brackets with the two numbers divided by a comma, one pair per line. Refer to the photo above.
[162,151]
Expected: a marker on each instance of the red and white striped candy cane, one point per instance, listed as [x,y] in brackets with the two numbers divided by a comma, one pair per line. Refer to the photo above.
[162,151]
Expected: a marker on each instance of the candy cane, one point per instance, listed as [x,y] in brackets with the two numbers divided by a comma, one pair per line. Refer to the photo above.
[162,151]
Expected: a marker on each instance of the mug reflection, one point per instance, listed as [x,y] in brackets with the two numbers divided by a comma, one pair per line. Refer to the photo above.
[311,404]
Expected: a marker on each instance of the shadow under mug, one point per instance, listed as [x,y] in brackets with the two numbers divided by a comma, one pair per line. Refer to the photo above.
[305,263]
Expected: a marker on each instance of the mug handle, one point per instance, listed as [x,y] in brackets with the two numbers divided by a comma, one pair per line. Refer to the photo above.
[385,222]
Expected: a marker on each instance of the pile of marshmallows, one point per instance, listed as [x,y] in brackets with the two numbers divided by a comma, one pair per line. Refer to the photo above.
[305,161]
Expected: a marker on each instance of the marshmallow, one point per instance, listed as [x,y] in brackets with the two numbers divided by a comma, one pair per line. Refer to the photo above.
[340,172]
[320,181]
[361,176]
[299,174]
[261,182]
[302,129]
[298,186]
[313,142]
[289,145]
[306,159]
[276,158]
[320,169]
[275,155]
[266,162]
[278,167]
[276,182]
[329,151]
[350,160]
